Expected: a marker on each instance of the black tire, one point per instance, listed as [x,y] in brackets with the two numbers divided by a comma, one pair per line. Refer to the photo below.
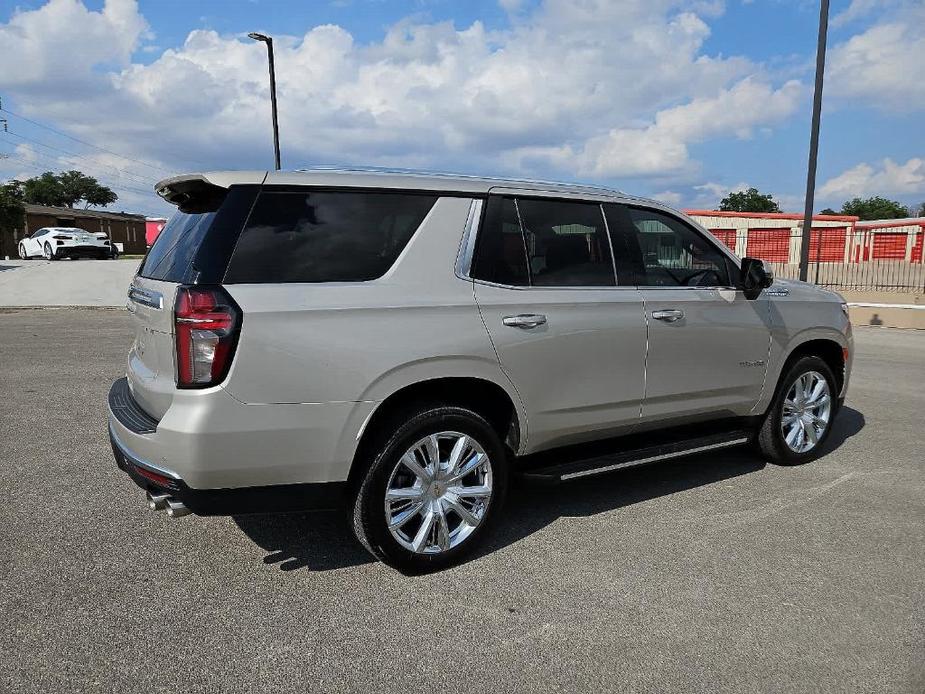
[22,253]
[770,438]
[381,458]
[49,253]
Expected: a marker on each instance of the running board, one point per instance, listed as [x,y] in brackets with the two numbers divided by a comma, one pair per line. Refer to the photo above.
[637,456]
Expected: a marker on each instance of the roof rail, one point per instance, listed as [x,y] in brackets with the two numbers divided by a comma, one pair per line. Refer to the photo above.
[444,174]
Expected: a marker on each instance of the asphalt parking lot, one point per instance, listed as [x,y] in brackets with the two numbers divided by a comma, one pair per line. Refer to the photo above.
[715,573]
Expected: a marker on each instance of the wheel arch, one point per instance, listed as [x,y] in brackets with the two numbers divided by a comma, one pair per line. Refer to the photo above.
[487,397]
[828,345]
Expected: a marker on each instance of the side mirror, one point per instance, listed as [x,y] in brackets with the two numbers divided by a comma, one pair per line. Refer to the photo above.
[754,276]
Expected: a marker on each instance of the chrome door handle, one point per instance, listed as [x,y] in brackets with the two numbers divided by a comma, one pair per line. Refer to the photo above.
[669,315]
[524,320]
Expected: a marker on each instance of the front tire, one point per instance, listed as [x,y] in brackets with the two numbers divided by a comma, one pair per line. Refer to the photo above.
[433,488]
[23,255]
[800,417]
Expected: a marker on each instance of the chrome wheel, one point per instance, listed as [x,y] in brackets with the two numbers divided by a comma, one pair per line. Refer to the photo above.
[807,412]
[438,493]
[22,252]
[47,252]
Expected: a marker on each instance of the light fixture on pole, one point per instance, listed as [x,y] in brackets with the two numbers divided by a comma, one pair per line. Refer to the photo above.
[269,42]
[814,143]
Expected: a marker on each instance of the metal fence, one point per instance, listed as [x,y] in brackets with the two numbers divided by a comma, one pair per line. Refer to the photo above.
[851,259]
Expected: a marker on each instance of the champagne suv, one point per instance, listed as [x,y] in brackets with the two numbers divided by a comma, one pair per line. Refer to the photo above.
[406,343]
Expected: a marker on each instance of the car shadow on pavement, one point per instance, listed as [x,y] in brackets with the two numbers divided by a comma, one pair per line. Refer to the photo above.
[322,540]
[317,541]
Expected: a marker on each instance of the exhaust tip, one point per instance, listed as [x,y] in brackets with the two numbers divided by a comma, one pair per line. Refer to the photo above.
[176,509]
[157,502]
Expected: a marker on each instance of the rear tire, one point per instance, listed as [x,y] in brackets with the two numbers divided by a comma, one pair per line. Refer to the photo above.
[49,253]
[438,513]
[800,417]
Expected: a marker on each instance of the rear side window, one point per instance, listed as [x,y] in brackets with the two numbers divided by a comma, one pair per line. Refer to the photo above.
[325,236]
[543,243]
[170,257]
[567,244]
[500,255]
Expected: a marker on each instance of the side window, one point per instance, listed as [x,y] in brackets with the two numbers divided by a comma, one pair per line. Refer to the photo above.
[40,232]
[672,254]
[325,236]
[566,243]
[500,256]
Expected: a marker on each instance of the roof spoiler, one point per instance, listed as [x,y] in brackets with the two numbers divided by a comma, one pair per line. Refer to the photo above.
[191,193]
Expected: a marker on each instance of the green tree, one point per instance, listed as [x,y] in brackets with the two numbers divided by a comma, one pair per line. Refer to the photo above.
[749,201]
[79,186]
[11,205]
[828,210]
[875,208]
[66,190]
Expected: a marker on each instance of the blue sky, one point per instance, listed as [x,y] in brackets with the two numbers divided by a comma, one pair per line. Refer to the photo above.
[683,100]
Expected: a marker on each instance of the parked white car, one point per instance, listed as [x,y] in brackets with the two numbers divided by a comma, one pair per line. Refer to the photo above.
[53,243]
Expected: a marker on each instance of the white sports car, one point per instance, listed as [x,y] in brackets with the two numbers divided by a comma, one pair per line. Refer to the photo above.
[53,243]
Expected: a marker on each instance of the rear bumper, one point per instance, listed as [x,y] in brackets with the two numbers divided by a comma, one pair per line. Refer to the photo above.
[82,251]
[164,461]
[280,498]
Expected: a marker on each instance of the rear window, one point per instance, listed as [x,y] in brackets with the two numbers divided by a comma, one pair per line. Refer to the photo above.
[325,236]
[170,257]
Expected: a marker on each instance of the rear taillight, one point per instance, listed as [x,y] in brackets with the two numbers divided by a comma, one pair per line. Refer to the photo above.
[206,323]
[62,238]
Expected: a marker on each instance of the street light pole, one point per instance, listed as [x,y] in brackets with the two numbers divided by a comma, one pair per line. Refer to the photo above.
[814,141]
[269,42]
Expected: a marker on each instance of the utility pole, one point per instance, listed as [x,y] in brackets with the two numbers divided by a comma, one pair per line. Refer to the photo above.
[814,140]
[269,42]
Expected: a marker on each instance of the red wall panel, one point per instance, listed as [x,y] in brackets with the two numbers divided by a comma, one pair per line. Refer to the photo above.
[917,246]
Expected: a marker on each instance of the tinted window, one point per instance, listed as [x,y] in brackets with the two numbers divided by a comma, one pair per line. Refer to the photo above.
[671,253]
[172,254]
[325,236]
[566,243]
[499,253]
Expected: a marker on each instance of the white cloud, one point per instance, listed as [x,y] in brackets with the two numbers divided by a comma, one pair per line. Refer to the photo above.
[61,41]
[573,88]
[887,178]
[669,197]
[881,67]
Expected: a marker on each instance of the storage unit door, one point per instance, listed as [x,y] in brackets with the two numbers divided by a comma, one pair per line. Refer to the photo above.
[727,236]
[890,245]
[832,242]
[772,245]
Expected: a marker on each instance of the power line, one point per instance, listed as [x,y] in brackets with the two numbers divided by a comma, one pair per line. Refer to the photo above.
[89,144]
[109,183]
[45,163]
[140,178]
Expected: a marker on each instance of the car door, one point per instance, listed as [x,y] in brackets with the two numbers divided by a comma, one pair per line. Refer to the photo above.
[708,345]
[570,339]
[33,244]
